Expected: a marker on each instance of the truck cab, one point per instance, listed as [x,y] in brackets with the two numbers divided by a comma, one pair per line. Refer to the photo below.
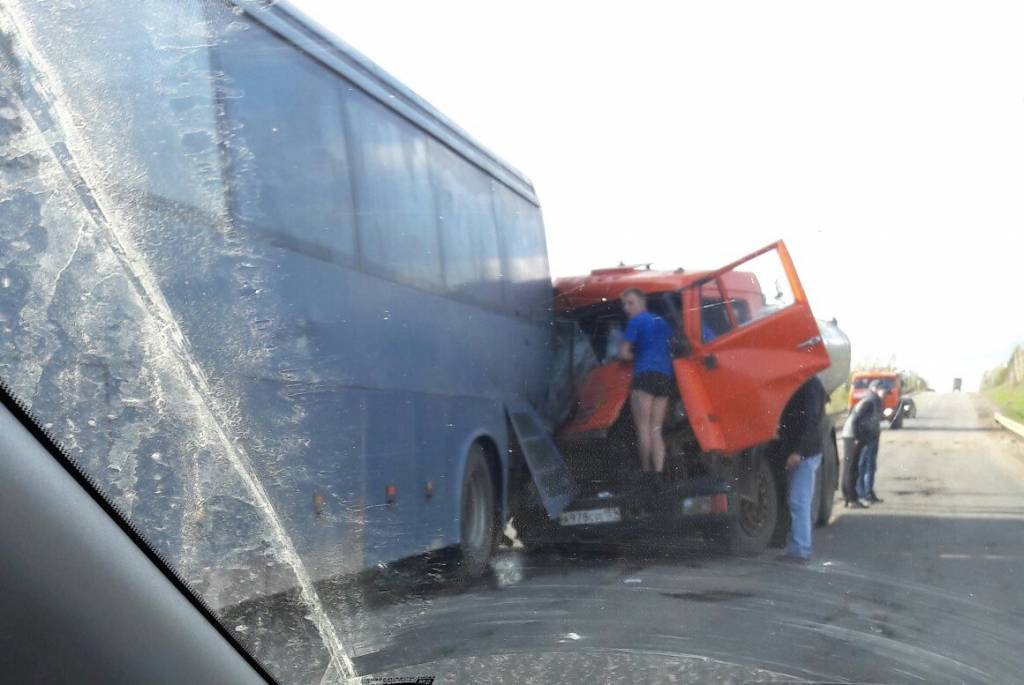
[745,341]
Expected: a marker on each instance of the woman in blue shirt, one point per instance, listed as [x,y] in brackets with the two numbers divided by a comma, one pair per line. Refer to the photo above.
[647,343]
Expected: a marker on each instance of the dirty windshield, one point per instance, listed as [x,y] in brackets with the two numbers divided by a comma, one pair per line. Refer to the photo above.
[444,343]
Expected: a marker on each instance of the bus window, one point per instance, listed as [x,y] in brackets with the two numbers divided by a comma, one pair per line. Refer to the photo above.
[469,233]
[398,231]
[291,181]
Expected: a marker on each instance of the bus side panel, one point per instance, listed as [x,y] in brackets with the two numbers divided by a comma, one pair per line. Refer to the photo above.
[476,422]
[324,510]
[347,394]
[444,430]
[207,307]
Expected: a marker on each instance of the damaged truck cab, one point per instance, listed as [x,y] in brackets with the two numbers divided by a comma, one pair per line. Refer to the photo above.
[745,341]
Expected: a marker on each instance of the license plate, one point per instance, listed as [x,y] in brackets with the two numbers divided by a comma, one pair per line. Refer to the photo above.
[589,516]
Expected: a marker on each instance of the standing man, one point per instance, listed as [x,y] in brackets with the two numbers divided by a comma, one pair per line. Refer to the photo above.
[648,341]
[860,429]
[851,460]
[801,421]
[868,431]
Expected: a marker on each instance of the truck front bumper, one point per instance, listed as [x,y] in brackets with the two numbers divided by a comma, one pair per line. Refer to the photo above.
[669,507]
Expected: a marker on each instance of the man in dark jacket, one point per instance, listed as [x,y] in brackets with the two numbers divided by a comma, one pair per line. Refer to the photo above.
[861,432]
[868,431]
[801,425]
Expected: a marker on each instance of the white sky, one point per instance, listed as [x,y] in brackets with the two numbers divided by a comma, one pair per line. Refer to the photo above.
[883,141]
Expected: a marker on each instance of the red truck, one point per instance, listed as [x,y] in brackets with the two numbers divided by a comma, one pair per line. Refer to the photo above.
[895,405]
[746,341]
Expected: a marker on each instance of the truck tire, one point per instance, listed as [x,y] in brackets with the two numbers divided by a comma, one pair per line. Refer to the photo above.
[755,507]
[478,523]
[827,481]
[897,421]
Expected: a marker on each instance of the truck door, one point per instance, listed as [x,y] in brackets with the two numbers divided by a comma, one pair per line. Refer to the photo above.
[755,342]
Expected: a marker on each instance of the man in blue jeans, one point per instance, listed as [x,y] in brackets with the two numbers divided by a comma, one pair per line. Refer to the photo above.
[801,423]
[867,427]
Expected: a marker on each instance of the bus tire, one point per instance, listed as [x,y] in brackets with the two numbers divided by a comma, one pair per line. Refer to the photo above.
[478,522]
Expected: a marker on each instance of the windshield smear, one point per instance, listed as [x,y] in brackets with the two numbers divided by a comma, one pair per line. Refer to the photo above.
[303,332]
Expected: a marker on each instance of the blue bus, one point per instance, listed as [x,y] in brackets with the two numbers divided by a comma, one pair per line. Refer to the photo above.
[413,299]
[300,299]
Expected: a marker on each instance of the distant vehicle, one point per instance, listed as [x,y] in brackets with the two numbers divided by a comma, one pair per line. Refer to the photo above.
[895,406]
[957,382]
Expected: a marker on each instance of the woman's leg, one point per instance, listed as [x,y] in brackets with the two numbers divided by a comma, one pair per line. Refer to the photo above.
[659,408]
[640,403]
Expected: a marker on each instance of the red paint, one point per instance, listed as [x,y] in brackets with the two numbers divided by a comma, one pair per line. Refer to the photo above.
[734,387]
[892,397]
[758,369]
[601,399]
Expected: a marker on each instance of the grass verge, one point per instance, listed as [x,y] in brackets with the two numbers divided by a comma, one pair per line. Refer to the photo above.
[1008,399]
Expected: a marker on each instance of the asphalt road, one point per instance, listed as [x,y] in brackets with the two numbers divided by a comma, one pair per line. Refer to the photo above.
[927,587]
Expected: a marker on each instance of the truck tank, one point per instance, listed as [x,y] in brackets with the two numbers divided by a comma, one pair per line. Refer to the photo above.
[838,345]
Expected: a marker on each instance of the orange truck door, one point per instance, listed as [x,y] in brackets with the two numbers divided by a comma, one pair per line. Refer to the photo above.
[601,399]
[755,342]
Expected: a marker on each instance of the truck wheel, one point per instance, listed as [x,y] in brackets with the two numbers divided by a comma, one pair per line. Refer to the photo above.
[478,522]
[755,507]
[897,421]
[825,495]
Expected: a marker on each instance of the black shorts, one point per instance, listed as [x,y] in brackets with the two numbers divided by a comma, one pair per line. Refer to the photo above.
[652,383]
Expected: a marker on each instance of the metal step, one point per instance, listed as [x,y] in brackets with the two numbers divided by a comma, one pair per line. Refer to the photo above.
[550,473]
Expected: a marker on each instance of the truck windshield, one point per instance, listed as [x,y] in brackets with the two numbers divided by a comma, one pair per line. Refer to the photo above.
[862,383]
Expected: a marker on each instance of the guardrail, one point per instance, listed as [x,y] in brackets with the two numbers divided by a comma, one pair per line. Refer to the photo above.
[1010,424]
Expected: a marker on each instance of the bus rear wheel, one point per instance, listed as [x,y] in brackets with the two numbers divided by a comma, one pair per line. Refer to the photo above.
[478,520]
